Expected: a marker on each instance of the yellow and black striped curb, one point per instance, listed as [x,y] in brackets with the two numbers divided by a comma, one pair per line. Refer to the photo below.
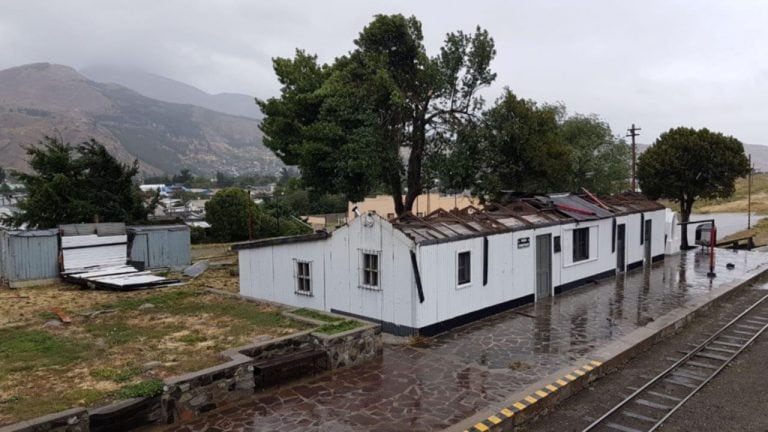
[509,412]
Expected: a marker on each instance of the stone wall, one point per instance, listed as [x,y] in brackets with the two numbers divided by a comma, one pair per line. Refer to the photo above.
[276,347]
[188,395]
[352,347]
[73,420]
[126,415]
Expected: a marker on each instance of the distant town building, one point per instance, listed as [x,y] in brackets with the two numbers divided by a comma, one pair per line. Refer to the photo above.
[424,204]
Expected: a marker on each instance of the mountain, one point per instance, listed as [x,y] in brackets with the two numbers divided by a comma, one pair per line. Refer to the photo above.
[168,90]
[42,98]
[759,155]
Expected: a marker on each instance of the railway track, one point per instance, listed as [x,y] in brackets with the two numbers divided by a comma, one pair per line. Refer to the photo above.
[649,406]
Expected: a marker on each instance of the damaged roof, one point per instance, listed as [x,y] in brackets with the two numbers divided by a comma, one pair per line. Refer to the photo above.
[519,214]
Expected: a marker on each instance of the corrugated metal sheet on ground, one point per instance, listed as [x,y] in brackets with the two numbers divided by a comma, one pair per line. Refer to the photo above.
[101,262]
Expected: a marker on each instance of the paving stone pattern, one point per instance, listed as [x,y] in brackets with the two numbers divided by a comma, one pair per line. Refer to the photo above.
[475,366]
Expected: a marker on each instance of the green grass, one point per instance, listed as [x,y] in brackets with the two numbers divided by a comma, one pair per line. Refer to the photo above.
[238,310]
[115,332]
[313,314]
[164,299]
[22,349]
[116,375]
[338,327]
[187,302]
[43,404]
[147,388]
[192,339]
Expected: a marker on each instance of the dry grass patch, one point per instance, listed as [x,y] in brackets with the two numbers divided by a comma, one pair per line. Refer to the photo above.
[126,351]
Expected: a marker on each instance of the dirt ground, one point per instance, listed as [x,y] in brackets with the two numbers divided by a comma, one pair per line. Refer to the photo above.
[214,252]
[118,339]
[734,401]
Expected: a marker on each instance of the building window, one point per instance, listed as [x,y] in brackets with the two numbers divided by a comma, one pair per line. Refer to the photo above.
[464,273]
[303,277]
[580,244]
[370,270]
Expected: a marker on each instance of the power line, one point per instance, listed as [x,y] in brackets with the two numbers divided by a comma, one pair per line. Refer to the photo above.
[633,132]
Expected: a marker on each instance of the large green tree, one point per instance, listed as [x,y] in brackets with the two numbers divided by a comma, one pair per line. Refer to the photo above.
[599,159]
[686,164]
[77,184]
[376,116]
[234,217]
[515,146]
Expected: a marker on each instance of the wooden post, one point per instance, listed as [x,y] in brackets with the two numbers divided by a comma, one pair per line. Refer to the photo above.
[749,194]
[712,237]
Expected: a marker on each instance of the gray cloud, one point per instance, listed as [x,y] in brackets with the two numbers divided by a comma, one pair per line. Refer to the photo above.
[657,63]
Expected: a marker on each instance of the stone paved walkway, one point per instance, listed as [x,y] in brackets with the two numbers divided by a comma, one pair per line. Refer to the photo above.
[470,368]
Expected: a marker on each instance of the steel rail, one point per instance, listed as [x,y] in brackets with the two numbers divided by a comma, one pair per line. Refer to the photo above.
[679,363]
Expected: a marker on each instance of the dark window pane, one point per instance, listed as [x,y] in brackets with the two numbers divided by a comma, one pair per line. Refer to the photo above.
[580,244]
[464,268]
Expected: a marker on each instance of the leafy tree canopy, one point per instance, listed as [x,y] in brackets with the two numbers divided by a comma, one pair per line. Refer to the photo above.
[234,216]
[184,177]
[77,184]
[379,114]
[599,160]
[685,164]
[522,146]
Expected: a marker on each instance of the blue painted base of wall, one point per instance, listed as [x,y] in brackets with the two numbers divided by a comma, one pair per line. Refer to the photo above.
[443,326]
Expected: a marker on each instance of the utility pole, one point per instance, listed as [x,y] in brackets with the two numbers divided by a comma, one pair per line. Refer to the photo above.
[633,133]
[749,194]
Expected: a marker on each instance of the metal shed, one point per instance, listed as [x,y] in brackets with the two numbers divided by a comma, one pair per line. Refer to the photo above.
[29,257]
[159,246]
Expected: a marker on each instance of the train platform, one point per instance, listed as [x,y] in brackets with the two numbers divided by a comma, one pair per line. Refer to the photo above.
[502,369]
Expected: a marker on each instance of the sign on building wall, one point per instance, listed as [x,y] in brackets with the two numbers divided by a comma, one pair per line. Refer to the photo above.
[523,242]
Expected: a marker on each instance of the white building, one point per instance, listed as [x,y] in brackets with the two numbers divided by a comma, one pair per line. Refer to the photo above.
[425,275]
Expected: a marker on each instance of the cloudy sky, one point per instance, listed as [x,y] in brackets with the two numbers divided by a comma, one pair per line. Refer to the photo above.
[655,63]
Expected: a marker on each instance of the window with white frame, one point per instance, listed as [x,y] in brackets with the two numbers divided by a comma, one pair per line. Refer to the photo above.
[370,277]
[303,277]
[580,244]
[464,273]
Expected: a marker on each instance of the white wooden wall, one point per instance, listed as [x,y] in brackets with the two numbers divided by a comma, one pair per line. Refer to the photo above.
[512,270]
[268,272]
[393,301]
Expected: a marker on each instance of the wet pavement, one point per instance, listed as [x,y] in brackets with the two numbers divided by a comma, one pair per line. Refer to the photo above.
[470,368]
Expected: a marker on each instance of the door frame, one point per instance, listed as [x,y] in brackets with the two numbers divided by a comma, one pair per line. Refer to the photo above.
[621,247]
[536,266]
[648,240]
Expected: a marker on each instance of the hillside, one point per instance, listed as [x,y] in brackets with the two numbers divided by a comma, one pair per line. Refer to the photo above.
[168,90]
[759,155]
[41,99]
